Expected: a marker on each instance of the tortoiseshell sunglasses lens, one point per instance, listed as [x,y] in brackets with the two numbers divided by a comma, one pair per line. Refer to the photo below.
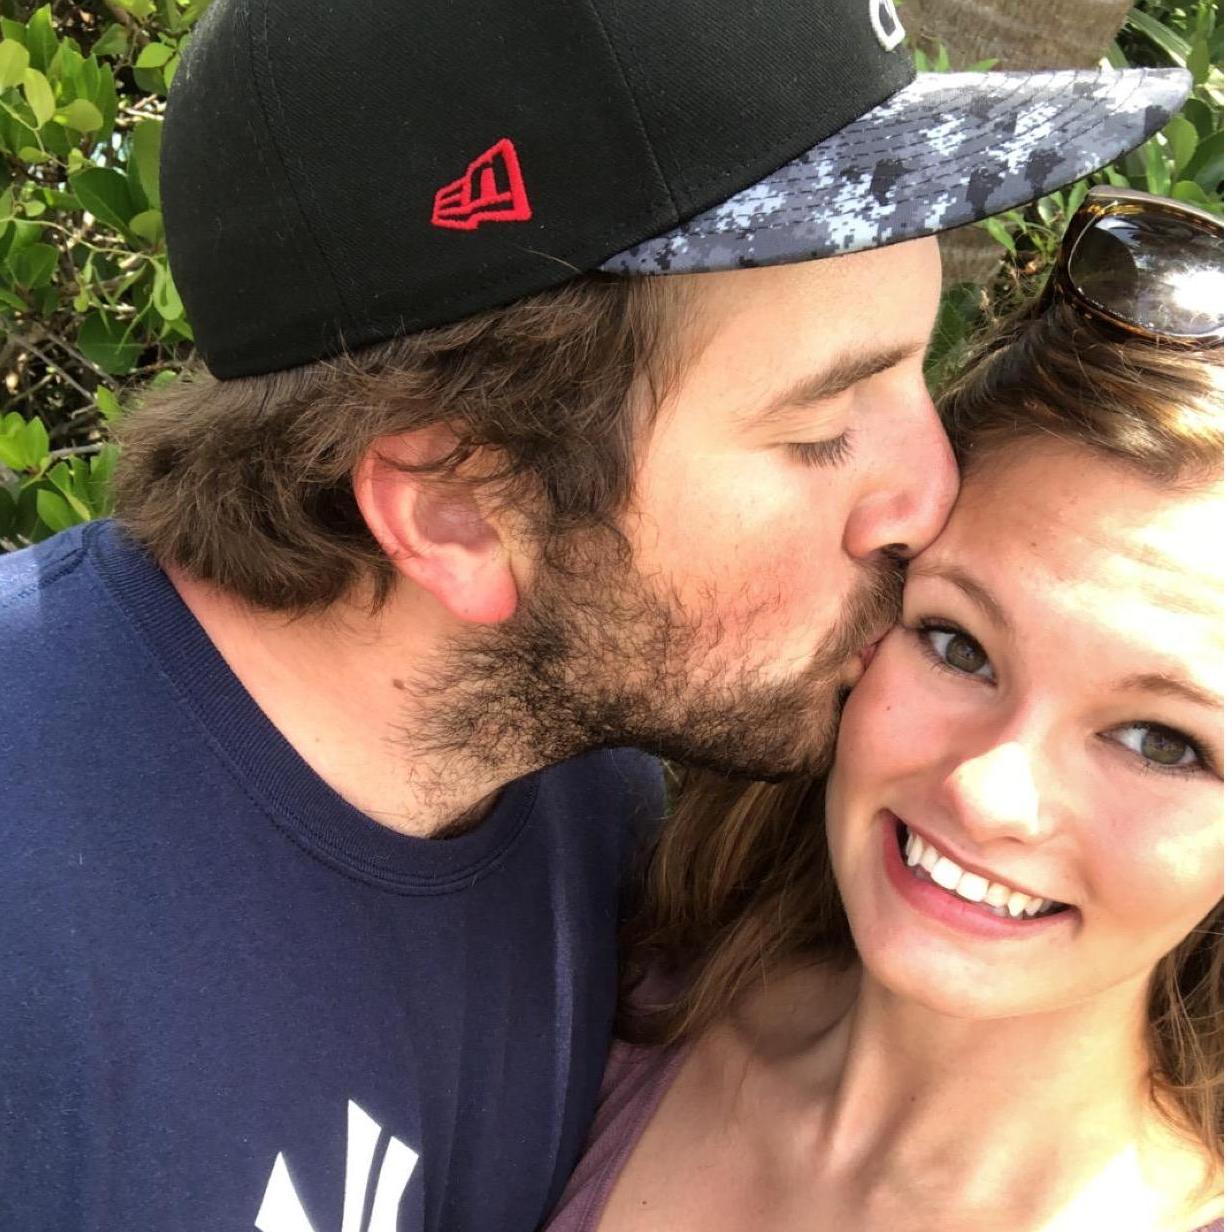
[1154,271]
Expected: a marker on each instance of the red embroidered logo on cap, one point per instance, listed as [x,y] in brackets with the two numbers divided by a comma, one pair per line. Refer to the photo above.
[490,191]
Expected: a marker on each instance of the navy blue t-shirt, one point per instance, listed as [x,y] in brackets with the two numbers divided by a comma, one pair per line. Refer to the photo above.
[229,1000]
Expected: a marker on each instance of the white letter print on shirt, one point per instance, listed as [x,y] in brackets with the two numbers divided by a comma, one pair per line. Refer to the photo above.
[282,1211]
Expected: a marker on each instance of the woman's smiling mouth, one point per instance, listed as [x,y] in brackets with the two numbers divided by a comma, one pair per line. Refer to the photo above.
[962,898]
[928,863]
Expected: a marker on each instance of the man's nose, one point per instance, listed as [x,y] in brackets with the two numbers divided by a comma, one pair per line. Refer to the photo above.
[995,795]
[911,489]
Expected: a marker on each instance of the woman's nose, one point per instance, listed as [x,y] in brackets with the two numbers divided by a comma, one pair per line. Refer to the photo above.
[996,794]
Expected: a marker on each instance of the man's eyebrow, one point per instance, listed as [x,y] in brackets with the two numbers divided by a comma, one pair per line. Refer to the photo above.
[1168,685]
[843,373]
[979,594]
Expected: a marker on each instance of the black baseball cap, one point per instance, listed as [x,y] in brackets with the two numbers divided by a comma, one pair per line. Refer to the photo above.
[335,174]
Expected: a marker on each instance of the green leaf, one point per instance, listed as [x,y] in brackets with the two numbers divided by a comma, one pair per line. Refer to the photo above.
[54,511]
[56,141]
[170,69]
[176,331]
[27,524]
[1168,41]
[1158,178]
[114,42]
[149,80]
[84,116]
[1001,233]
[41,38]
[39,95]
[154,55]
[1206,166]
[165,297]
[6,206]
[66,64]
[12,301]
[1182,140]
[102,467]
[37,443]
[140,9]
[71,480]
[105,194]
[12,454]
[106,342]
[1074,197]
[1049,208]
[1199,114]
[34,266]
[105,97]
[14,60]
[23,444]
[143,156]
[194,9]
[62,476]
[108,404]
[1199,62]
[77,505]
[22,234]
[149,225]
[14,30]
[1187,190]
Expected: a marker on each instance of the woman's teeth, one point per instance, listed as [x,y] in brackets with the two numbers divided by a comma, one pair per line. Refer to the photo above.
[999,899]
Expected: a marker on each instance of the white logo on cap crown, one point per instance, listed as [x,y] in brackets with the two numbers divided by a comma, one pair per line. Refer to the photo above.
[886,26]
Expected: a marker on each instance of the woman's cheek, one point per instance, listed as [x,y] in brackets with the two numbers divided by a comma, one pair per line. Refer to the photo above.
[887,711]
[1165,861]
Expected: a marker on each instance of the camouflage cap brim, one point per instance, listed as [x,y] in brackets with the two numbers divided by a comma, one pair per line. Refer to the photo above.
[948,149]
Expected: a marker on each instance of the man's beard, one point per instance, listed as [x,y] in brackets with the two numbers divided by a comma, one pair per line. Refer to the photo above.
[598,657]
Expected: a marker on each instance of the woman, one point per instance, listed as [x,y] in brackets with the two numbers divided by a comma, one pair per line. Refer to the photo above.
[987,995]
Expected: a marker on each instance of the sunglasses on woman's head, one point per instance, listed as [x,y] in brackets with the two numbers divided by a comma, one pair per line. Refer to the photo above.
[1147,265]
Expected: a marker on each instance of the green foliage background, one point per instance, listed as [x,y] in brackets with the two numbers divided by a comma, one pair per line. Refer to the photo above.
[89,312]
[1185,161]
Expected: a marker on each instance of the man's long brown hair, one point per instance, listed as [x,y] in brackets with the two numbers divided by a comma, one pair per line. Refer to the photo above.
[739,883]
[246,483]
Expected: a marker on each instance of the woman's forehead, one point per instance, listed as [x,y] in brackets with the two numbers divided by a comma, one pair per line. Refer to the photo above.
[1058,529]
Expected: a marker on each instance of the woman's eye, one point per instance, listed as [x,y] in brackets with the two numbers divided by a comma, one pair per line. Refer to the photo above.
[1161,746]
[957,650]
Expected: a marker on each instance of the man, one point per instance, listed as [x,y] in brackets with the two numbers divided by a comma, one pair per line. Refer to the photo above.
[312,877]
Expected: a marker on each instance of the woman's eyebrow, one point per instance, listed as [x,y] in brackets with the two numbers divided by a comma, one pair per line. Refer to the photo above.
[1171,686]
[975,591]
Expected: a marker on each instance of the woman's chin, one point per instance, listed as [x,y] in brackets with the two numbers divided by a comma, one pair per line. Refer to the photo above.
[917,975]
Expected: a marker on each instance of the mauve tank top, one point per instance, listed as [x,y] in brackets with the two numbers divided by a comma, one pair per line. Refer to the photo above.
[634,1083]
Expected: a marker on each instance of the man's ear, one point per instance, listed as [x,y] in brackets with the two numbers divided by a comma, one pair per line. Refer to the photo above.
[433,530]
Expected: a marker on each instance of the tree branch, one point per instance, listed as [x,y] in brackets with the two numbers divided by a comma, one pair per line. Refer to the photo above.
[34,348]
